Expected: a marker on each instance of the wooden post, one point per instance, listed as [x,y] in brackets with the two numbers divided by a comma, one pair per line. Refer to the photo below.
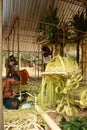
[18,42]
[8,47]
[1,99]
[18,48]
[38,61]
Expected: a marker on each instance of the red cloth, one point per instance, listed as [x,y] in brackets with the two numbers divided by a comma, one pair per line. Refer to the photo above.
[24,76]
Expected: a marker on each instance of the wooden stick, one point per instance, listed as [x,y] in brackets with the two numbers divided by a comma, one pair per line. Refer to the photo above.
[59,73]
[47,118]
[55,73]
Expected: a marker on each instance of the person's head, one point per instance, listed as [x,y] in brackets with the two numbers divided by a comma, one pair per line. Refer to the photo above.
[11,57]
[15,78]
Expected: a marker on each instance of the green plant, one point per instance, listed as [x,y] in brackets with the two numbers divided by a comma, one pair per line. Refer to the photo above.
[48,26]
[76,123]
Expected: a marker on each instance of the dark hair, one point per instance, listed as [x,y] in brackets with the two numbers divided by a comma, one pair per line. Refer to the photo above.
[16,77]
[11,56]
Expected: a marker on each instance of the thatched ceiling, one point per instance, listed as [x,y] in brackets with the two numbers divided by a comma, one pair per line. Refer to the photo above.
[30,13]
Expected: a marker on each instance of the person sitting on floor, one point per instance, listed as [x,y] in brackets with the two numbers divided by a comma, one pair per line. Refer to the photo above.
[9,92]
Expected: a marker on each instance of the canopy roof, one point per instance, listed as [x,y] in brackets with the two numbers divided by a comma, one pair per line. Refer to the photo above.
[30,12]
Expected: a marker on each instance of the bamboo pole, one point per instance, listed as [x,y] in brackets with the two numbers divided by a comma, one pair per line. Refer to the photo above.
[1,93]
[55,73]
[47,118]
[18,43]
[18,48]
[13,40]
[38,61]
[52,24]
[12,27]
[8,48]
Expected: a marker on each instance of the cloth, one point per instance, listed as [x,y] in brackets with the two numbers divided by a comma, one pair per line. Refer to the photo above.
[11,103]
[24,76]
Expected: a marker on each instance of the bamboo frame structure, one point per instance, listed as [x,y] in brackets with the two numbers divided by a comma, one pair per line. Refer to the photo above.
[31,12]
[16,19]
[26,20]
[31,25]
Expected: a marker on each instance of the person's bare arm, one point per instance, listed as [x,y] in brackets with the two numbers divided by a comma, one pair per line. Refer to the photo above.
[8,91]
[8,95]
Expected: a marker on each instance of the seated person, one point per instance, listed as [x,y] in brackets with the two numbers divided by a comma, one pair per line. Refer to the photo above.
[12,70]
[9,92]
[12,64]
